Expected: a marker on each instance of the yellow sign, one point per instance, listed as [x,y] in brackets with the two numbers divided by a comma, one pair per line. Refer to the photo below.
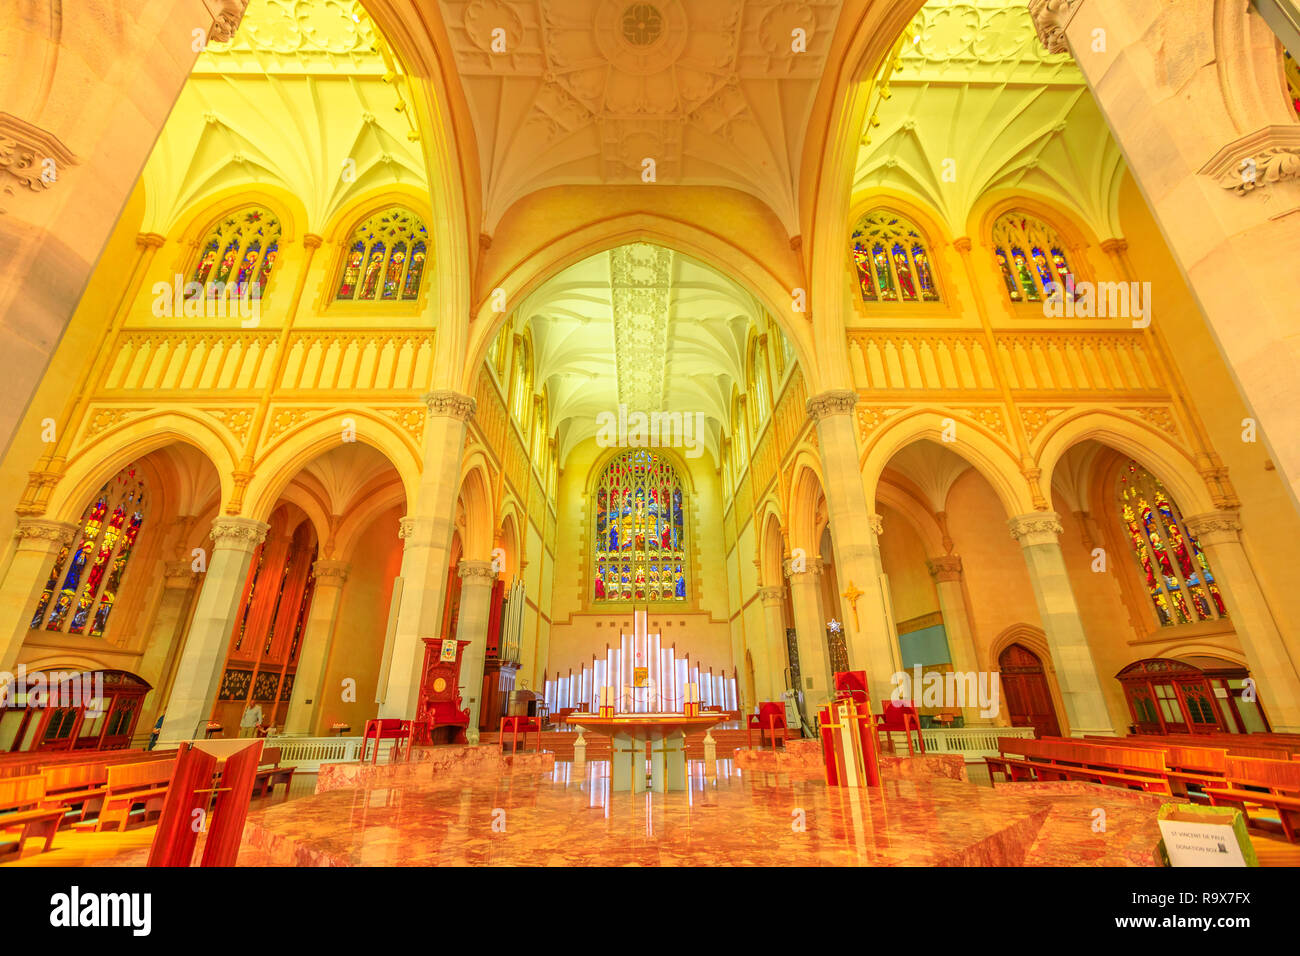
[640,676]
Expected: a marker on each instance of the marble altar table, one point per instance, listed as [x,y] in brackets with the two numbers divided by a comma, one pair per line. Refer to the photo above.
[628,735]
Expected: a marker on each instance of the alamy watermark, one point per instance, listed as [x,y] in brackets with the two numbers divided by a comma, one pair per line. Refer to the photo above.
[53,689]
[949,689]
[1127,300]
[626,429]
[213,300]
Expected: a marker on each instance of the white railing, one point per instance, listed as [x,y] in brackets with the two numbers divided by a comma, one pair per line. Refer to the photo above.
[306,754]
[973,743]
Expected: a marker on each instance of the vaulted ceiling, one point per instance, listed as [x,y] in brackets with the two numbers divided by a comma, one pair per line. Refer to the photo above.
[643,326]
[715,92]
[979,105]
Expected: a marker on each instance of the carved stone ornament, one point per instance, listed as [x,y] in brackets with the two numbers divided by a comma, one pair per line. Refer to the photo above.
[30,155]
[1266,156]
[238,533]
[226,16]
[1214,527]
[406,528]
[330,573]
[877,524]
[813,566]
[1041,527]
[1051,17]
[40,529]
[476,572]
[945,568]
[445,403]
[770,596]
[835,402]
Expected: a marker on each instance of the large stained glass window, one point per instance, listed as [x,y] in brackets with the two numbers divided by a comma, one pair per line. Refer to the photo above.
[1030,257]
[87,575]
[1174,569]
[384,258]
[239,251]
[640,546]
[892,260]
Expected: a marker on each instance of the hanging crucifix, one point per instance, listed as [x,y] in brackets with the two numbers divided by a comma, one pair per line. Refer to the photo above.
[851,594]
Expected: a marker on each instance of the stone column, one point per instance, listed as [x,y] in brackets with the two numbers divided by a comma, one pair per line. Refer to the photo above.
[314,650]
[165,635]
[38,543]
[198,675]
[947,574]
[476,580]
[1076,673]
[426,533]
[810,631]
[854,528]
[774,637]
[1272,666]
[1194,97]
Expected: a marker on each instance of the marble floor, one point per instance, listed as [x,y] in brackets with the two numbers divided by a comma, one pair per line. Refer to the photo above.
[489,811]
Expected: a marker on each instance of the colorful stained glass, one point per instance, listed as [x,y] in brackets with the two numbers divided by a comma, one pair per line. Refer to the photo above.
[923,277]
[890,260]
[862,264]
[1032,277]
[639,543]
[906,288]
[233,253]
[108,530]
[1176,573]
[1023,275]
[370,273]
[1004,267]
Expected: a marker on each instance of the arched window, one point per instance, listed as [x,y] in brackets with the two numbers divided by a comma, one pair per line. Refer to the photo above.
[892,260]
[385,258]
[522,389]
[758,386]
[240,250]
[1177,575]
[639,551]
[1030,256]
[84,583]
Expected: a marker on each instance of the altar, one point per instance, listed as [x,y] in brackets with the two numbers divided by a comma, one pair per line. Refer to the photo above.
[629,733]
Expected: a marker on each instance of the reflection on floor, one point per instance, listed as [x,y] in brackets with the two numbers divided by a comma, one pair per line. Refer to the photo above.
[430,813]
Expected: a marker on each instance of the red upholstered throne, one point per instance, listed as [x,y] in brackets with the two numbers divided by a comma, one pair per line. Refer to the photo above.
[770,718]
[440,703]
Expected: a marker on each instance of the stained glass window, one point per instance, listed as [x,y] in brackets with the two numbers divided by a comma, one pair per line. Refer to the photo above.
[1030,256]
[891,260]
[87,576]
[240,250]
[385,258]
[1174,570]
[639,547]
[758,387]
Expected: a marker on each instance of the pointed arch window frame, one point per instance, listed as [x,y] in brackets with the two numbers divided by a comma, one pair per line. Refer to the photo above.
[393,236]
[886,226]
[250,237]
[1029,250]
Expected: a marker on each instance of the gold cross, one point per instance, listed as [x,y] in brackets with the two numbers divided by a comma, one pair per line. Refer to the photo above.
[851,594]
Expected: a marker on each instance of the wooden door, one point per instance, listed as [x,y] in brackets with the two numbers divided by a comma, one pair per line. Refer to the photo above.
[1025,693]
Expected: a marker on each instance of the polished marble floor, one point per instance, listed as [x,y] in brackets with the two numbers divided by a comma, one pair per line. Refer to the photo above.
[420,815]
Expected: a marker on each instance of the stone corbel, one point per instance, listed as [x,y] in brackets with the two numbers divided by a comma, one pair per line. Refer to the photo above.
[445,403]
[1267,156]
[1051,17]
[834,402]
[1037,528]
[226,17]
[24,148]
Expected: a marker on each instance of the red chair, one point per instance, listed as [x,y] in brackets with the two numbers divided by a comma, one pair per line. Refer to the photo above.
[903,718]
[519,723]
[770,717]
[386,728]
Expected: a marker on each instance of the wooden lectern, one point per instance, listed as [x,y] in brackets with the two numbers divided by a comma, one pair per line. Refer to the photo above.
[207,769]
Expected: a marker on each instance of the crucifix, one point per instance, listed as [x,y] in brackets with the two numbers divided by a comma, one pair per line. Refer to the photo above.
[851,594]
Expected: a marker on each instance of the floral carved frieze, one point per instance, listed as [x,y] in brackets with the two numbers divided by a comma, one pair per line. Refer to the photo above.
[1265,157]
[29,155]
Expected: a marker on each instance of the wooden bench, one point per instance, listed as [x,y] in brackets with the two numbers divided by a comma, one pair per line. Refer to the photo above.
[71,784]
[21,800]
[1188,765]
[129,785]
[269,773]
[1058,759]
[1267,783]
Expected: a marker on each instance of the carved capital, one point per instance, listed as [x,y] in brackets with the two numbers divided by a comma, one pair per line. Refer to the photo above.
[24,151]
[150,240]
[1114,247]
[877,524]
[945,568]
[1262,158]
[1040,527]
[40,531]
[312,241]
[812,567]
[226,16]
[238,534]
[1051,17]
[444,403]
[476,572]
[962,244]
[330,573]
[1214,527]
[770,597]
[839,401]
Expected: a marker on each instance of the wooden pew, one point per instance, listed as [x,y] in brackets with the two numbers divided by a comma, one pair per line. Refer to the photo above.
[71,784]
[130,785]
[1267,783]
[21,801]
[269,773]
[1058,759]
[1194,766]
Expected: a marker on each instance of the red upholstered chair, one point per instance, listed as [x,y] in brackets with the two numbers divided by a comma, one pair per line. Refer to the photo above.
[519,723]
[903,718]
[770,717]
[384,728]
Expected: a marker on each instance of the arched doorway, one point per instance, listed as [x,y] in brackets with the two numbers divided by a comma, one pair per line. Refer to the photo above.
[1024,686]
[1200,696]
